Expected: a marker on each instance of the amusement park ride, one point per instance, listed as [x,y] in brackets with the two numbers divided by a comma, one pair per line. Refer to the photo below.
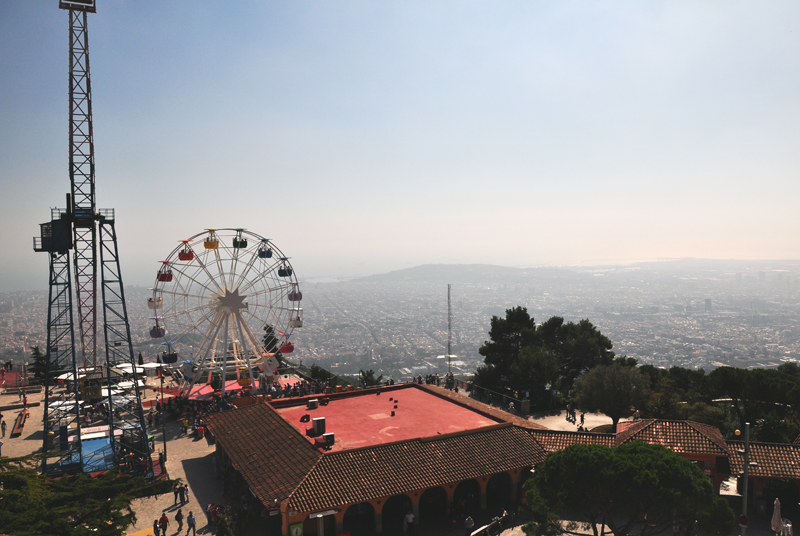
[213,295]
[121,439]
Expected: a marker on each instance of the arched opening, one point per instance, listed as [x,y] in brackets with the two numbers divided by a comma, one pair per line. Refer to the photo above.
[498,493]
[467,498]
[785,491]
[359,519]
[524,475]
[394,509]
[433,507]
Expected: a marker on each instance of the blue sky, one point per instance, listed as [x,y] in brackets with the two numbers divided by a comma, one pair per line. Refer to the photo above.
[370,136]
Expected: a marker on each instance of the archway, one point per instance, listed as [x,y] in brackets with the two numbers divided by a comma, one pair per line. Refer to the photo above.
[467,498]
[524,475]
[359,519]
[433,506]
[394,509]
[784,490]
[498,492]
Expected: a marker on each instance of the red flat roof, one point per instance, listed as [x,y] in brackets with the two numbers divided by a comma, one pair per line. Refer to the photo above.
[366,419]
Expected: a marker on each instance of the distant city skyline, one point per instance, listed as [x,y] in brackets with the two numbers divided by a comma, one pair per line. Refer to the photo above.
[365,138]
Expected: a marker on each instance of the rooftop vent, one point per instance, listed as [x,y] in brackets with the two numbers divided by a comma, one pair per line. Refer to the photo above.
[313,404]
[318,425]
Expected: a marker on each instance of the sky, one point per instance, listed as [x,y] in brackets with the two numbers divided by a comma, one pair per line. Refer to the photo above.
[364,137]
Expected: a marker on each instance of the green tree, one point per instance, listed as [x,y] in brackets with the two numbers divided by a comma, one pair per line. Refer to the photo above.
[39,366]
[271,343]
[508,336]
[612,390]
[319,373]
[580,347]
[754,393]
[368,378]
[223,527]
[632,488]
[73,505]
[521,357]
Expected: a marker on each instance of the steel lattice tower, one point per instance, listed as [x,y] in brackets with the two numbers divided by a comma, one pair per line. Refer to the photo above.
[87,231]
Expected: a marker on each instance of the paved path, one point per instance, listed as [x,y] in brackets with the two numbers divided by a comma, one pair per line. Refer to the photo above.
[185,455]
[557,420]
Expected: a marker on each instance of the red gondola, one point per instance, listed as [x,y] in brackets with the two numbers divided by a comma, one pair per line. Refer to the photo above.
[164,273]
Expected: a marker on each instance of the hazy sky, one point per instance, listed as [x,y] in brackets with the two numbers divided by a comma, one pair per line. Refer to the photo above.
[370,136]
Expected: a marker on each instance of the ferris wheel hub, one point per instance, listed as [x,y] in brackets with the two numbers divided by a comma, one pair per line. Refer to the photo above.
[230,302]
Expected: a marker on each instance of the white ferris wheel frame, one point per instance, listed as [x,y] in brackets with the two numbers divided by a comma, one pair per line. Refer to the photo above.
[205,295]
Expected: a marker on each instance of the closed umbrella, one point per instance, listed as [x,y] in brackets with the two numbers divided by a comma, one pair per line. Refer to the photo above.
[776,523]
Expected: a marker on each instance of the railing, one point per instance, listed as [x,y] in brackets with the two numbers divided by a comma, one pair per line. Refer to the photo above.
[497,526]
[484,394]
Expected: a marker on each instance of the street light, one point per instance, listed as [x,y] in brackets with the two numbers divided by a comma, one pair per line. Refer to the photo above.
[747,464]
[163,414]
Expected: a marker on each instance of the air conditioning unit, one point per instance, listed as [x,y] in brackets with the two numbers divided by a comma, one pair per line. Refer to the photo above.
[312,404]
[329,439]
[318,425]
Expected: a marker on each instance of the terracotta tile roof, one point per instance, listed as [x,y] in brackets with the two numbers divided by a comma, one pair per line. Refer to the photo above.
[683,437]
[553,440]
[480,407]
[269,453]
[796,441]
[776,460]
[357,475]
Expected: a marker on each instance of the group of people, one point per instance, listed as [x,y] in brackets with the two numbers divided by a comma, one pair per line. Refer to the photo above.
[160,525]
[435,379]
[572,416]
[180,491]
[299,388]
[236,515]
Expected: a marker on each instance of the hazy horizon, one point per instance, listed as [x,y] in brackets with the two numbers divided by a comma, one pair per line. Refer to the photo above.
[365,138]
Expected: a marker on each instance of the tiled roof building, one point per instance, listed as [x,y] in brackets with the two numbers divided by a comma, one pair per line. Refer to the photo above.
[553,440]
[488,455]
[421,448]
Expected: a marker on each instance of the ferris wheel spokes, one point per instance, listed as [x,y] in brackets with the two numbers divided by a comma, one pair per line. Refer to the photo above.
[204,269]
[206,343]
[194,279]
[255,347]
[267,290]
[261,277]
[248,267]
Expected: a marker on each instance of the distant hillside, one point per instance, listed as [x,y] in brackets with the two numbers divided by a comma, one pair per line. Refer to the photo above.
[472,273]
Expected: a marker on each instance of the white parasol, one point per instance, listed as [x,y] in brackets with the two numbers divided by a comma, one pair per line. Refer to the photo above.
[777,523]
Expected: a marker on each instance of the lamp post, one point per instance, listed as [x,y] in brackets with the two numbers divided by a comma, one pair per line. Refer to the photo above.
[163,413]
[746,453]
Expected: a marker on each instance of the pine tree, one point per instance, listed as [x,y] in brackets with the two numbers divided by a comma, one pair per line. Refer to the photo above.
[39,366]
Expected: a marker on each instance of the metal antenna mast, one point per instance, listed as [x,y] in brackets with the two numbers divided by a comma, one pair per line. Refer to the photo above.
[88,231]
[449,329]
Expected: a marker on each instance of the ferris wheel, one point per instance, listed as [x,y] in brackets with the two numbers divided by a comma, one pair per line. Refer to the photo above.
[229,299]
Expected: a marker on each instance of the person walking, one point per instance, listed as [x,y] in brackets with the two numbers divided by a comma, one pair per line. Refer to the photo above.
[186,492]
[182,494]
[156,528]
[408,523]
[175,493]
[190,524]
[179,520]
[469,524]
[163,523]
[3,427]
